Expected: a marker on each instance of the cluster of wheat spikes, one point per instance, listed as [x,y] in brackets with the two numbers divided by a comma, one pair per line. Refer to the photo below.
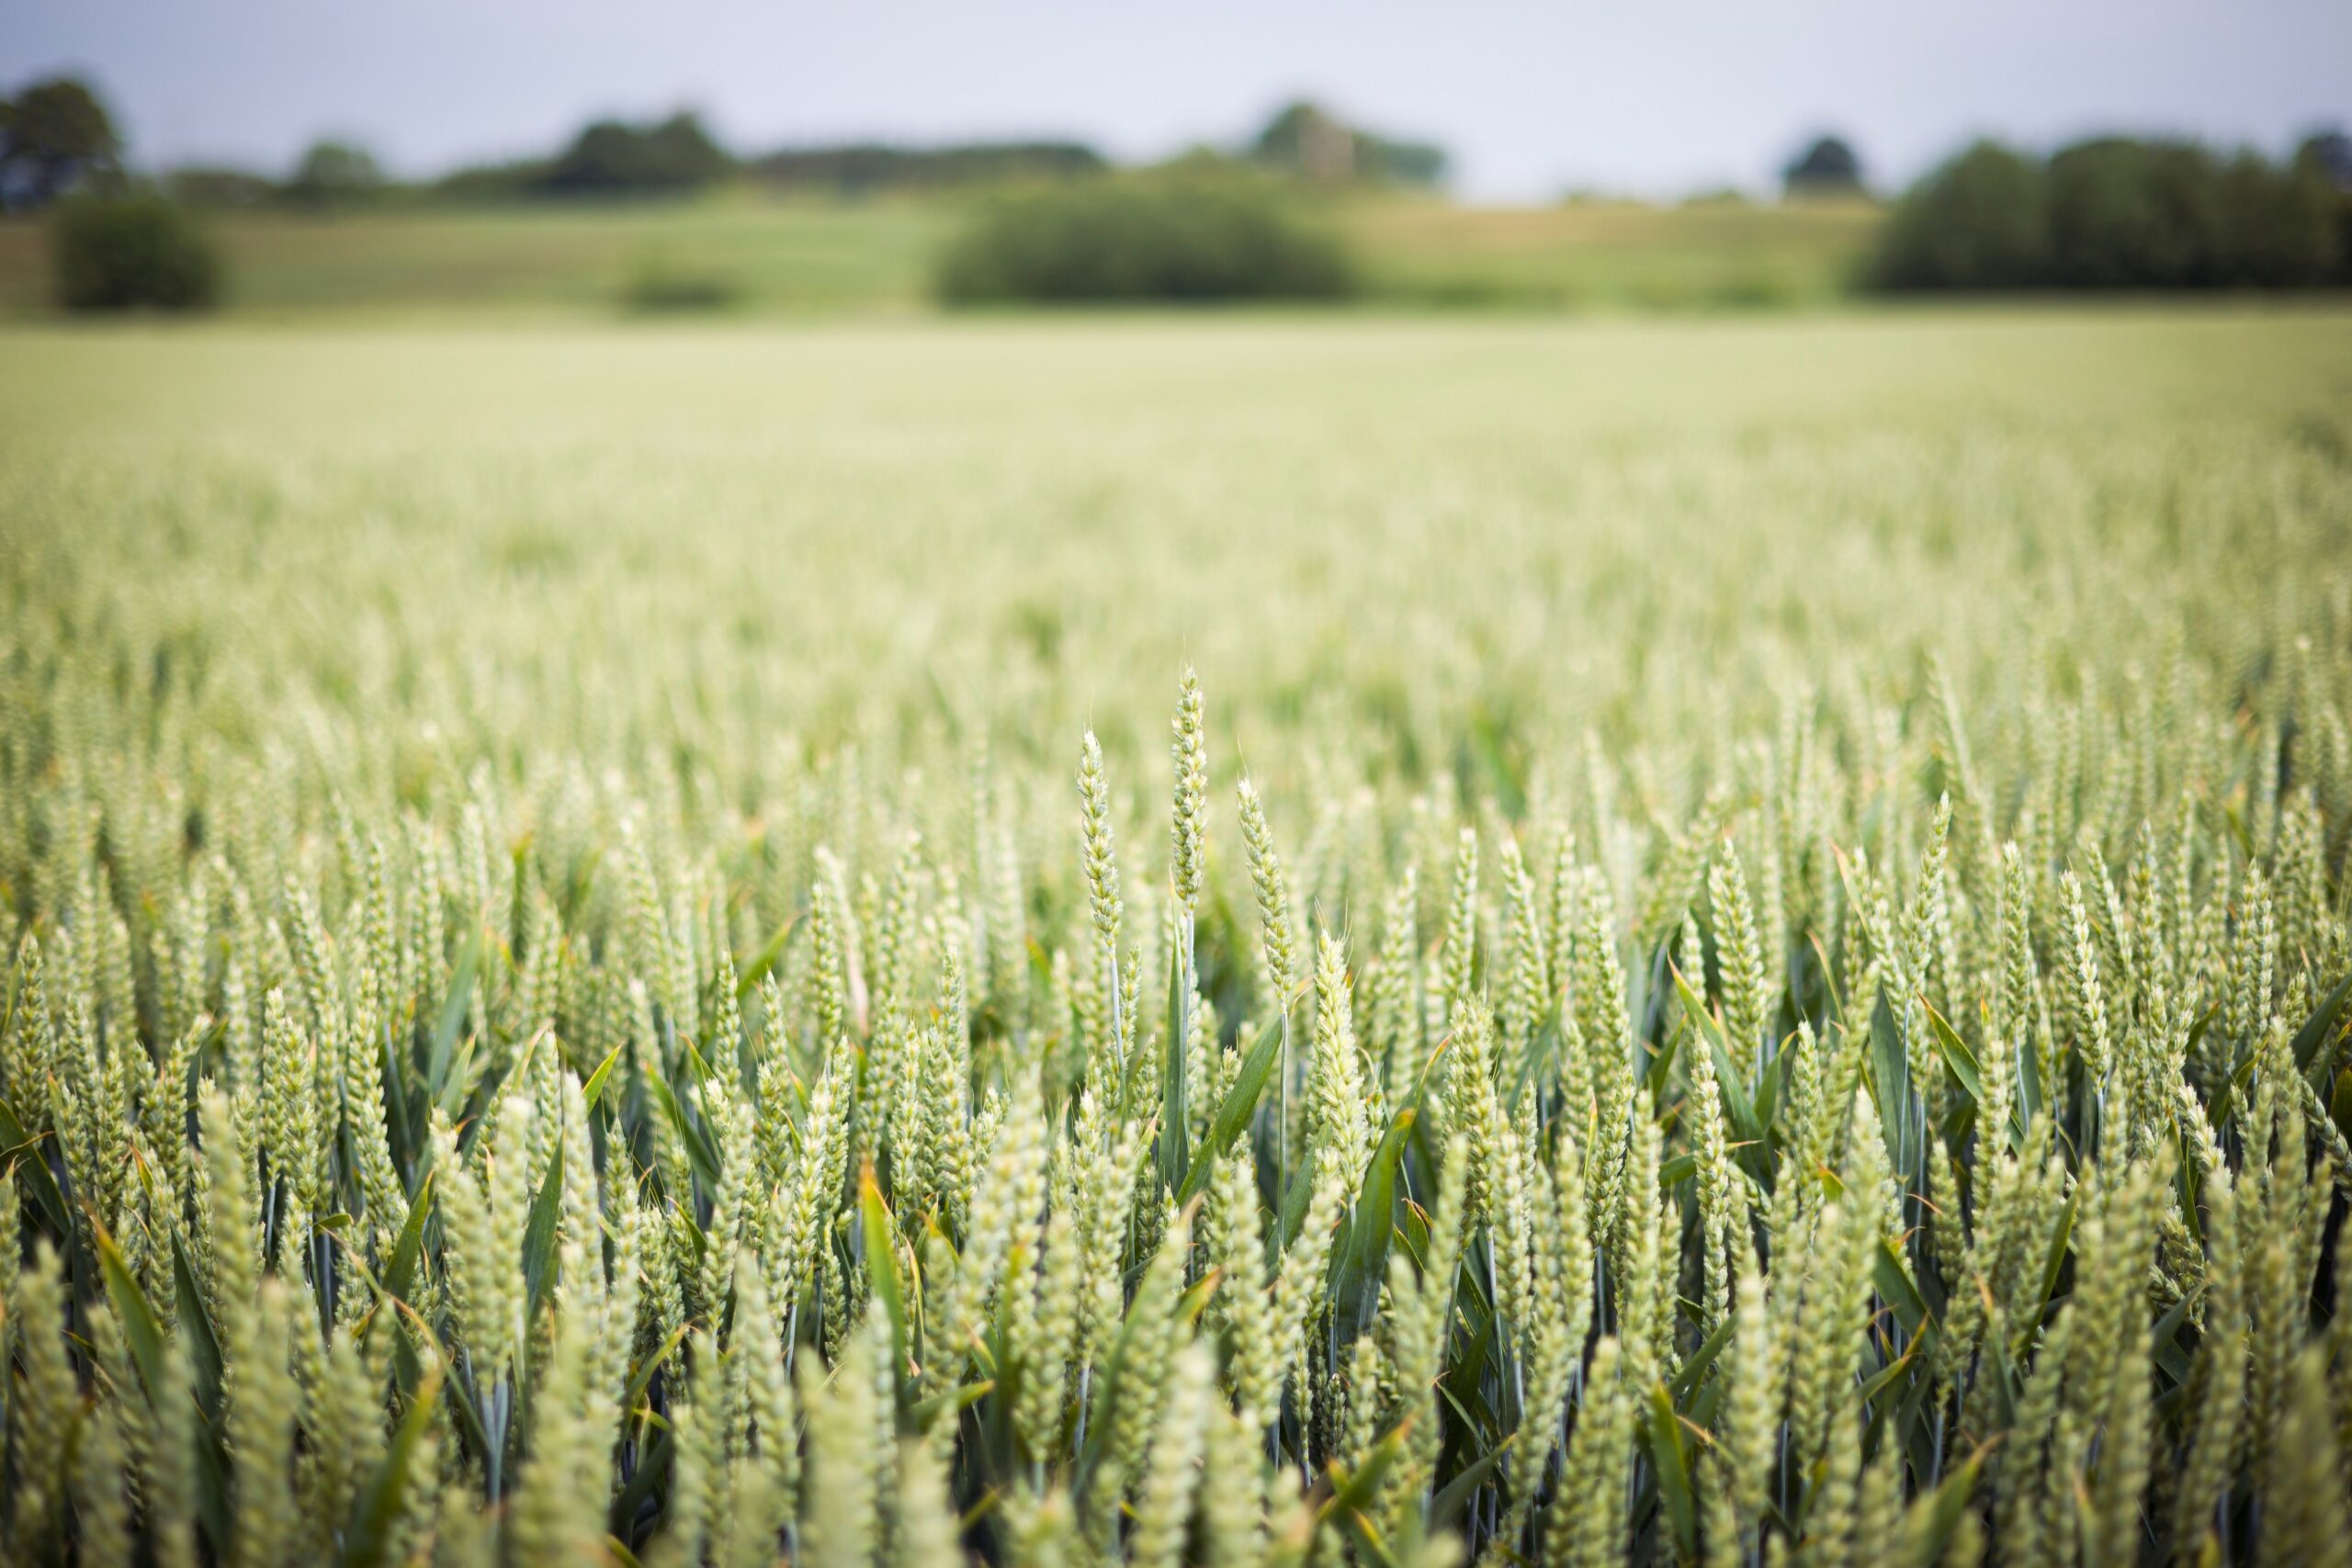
[1931,1145]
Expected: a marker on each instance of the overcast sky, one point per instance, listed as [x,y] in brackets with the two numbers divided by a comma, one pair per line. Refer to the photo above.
[1657,96]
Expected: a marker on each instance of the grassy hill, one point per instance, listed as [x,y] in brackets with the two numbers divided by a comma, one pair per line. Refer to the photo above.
[1613,254]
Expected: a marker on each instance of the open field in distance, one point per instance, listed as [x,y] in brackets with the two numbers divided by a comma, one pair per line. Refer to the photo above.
[819,257]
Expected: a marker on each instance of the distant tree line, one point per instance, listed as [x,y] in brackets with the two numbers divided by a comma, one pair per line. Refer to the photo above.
[874,165]
[56,137]
[2117,213]
[610,158]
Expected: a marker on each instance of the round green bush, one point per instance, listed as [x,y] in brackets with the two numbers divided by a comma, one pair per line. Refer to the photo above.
[136,252]
[1136,241]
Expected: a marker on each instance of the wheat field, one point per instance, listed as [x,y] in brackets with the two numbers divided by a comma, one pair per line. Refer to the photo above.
[1160,941]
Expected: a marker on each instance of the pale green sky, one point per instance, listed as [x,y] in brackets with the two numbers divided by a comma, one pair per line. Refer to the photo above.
[1656,97]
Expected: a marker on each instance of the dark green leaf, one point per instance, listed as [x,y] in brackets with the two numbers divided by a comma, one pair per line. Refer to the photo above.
[747,977]
[399,1132]
[659,1453]
[1890,1083]
[26,1151]
[1175,1117]
[642,1377]
[1938,1514]
[1293,1215]
[140,1329]
[1355,1491]
[2314,1032]
[699,1154]
[2061,1234]
[1671,1460]
[593,1090]
[925,1411]
[454,1003]
[1702,1358]
[2165,1338]
[1446,1507]
[196,1329]
[1887,1273]
[1662,1065]
[1739,1107]
[1366,1259]
[204,1367]
[409,1249]
[1956,1055]
[538,1236]
[1240,1103]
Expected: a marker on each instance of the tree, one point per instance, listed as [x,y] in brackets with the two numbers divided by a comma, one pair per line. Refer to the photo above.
[2278,226]
[333,174]
[2115,213]
[2328,156]
[2131,214]
[2323,162]
[1828,167]
[55,137]
[1309,139]
[614,158]
[1980,222]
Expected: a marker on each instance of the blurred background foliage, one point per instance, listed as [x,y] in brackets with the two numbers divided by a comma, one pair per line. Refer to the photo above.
[662,216]
[1185,237]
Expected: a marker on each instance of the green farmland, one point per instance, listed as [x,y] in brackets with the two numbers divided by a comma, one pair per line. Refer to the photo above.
[1226,938]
